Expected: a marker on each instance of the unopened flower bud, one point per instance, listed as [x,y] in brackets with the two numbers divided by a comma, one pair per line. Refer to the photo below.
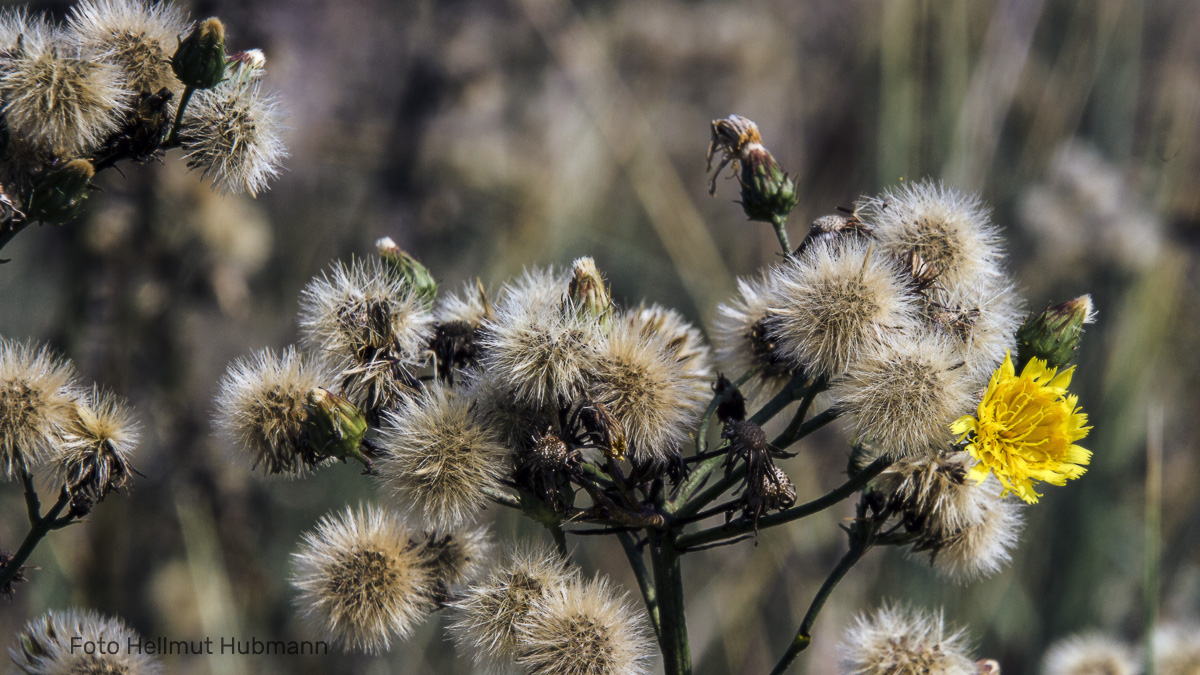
[1054,334]
[199,61]
[768,193]
[588,293]
[335,426]
[408,270]
[58,196]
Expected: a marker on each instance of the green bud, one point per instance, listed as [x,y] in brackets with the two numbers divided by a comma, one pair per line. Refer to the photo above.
[406,268]
[58,195]
[587,292]
[1054,334]
[768,194]
[199,61]
[335,427]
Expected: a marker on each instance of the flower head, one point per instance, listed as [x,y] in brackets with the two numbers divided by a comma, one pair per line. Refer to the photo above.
[896,640]
[744,338]
[1025,429]
[48,645]
[94,456]
[37,399]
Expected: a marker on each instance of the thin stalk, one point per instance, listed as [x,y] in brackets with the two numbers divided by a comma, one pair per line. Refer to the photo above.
[780,225]
[668,582]
[790,435]
[1153,520]
[638,564]
[560,539]
[502,498]
[39,527]
[173,137]
[742,526]
[793,430]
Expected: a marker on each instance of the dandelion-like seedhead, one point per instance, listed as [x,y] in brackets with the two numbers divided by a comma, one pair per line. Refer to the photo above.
[231,133]
[745,338]
[440,457]
[902,394]
[93,458]
[470,306]
[835,302]
[1176,649]
[680,339]
[947,229]
[583,628]
[37,401]
[365,578]
[262,408]
[456,557]
[48,645]
[487,613]
[896,640]
[1088,655]
[980,319]
[140,36]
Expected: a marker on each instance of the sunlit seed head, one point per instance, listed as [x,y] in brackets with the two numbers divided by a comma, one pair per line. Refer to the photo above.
[97,444]
[836,301]
[535,343]
[441,457]
[58,97]
[457,557]
[232,134]
[1177,649]
[471,305]
[486,614]
[37,401]
[682,340]
[262,409]
[515,422]
[639,380]
[980,318]
[896,640]
[982,547]
[745,338]
[138,35]
[1091,654]
[583,628]
[364,579]
[903,394]
[946,228]
[51,645]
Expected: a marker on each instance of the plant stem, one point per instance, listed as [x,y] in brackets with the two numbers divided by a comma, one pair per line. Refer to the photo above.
[780,225]
[743,525]
[560,539]
[668,582]
[638,564]
[173,137]
[39,526]
[502,498]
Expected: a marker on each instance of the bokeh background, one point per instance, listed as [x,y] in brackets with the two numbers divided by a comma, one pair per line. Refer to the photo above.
[485,136]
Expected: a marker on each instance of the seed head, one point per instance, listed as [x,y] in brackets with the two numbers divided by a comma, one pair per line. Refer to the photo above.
[364,578]
[682,340]
[471,306]
[456,557]
[835,302]
[93,458]
[1092,654]
[48,645]
[1177,649]
[745,337]
[138,35]
[441,456]
[897,640]
[37,401]
[980,319]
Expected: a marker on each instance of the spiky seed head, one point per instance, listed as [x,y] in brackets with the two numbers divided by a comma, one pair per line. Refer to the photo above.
[471,306]
[980,319]
[744,337]
[1176,648]
[1090,654]
[371,325]
[897,640]
[516,423]
[637,377]
[263,410]
[835,302]
[583,628]
[93,458]
[902,395]
[982,547]
[138,35]
[364,578]
[456,557]
[537,343]
[60,98]
[486,614]
[37,400]
[946,228]
[682,340]
[49,645]
[441,456]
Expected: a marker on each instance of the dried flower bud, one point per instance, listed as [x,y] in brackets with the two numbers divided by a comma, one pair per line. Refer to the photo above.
[58,196]
[335,426]
[768,194]
[407,270]
[1054,334]
[93,458]
[587,293]
[199,60]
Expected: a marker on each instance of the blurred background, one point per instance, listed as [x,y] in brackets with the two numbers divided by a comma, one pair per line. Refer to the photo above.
[485,136]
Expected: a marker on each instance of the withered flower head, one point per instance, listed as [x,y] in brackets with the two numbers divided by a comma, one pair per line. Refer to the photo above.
[768,193]
[94,456]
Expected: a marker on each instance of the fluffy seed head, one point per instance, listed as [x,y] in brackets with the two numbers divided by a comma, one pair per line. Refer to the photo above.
[456,557]
[682,340]
[137,35]
[836,301]
[980,318]
[59,97]
[231,133]
[487,613]
[896,640]
[45,646]
[37,400]
[471,306]
[1177,649]
[744,337]
[583,628]
[364,578]
[96,445]
[947,229]
[1093,654]
[903,395]
[262,408]
[441,457]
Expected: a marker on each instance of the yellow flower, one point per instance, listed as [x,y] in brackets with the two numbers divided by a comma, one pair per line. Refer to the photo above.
[1026,428]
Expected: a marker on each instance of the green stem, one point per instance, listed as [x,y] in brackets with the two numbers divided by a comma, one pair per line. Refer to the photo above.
[668,582]
[560,539]
[173,137]
[638,564]
[502,498]
[744,526]
[780,225]
[39,527]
